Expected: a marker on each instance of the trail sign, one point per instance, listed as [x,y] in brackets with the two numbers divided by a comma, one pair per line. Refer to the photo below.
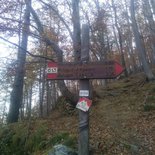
[89,70]
[83,71]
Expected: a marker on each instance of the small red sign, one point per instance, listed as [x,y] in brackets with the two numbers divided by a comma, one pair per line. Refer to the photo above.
[84,104]
[52,70]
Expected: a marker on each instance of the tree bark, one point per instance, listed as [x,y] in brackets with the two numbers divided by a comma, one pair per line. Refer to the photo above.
[139,43]
[130,40]
[41,92]
[149,16]
[17,92]
[30,100]
[153,6]
[120,39]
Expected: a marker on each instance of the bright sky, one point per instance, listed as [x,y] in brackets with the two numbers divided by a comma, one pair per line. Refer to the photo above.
[5,50]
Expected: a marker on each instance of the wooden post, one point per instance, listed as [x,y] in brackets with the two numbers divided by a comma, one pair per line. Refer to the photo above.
[84,85]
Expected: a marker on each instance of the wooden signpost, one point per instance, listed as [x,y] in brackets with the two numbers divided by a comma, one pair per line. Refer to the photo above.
[88,70]
[84,71]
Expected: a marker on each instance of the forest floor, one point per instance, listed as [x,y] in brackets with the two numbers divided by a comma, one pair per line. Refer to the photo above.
[122,119]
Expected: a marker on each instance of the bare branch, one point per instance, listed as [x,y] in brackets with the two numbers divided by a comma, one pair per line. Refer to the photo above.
[32,55]
[10,19]
[60,17]
[55,47]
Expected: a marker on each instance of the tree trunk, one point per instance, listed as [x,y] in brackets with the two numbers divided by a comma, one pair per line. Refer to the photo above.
[120,48]
[30,100]
[153,6]
[41,93]
[149,16]
[49,99]
[129,42]
[139,43]
[54,94]
[17,92]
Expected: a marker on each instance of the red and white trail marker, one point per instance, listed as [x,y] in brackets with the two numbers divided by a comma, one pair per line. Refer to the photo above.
[84,104]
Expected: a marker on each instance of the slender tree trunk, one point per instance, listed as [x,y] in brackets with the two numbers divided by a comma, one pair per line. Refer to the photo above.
[132,55]
[139,43]
[130,40]
[119,38]
[149,16]
[54,93]
[26,103]
[41,91]
[153,6]
[48,98]
[4,108]
[30,101]
[101,35]
[23,111]
[17,92]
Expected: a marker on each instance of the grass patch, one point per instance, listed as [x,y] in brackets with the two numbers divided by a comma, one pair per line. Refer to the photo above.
[150,103]
[149,107]
[16,139]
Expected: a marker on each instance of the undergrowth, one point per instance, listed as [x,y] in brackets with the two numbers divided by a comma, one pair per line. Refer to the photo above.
[149,103]
[19,140]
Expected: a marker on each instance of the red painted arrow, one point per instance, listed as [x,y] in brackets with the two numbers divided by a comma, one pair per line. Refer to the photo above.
[90,70]
[118,69]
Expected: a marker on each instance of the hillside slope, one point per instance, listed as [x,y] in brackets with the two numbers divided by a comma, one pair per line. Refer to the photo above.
[122,120]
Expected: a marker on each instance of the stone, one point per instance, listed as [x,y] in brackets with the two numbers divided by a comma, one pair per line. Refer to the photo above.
[62,150]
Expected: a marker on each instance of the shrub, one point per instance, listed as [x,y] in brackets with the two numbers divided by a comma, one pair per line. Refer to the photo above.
[14,140]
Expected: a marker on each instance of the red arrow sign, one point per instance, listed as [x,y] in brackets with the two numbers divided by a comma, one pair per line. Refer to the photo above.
[90,70]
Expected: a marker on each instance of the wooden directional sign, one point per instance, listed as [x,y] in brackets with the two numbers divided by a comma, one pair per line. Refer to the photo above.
[91,70]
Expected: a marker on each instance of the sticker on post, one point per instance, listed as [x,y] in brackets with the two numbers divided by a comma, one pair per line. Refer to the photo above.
[84,93]
[84,104]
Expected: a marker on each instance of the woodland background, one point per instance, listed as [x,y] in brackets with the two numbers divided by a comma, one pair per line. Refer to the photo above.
[36,31]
